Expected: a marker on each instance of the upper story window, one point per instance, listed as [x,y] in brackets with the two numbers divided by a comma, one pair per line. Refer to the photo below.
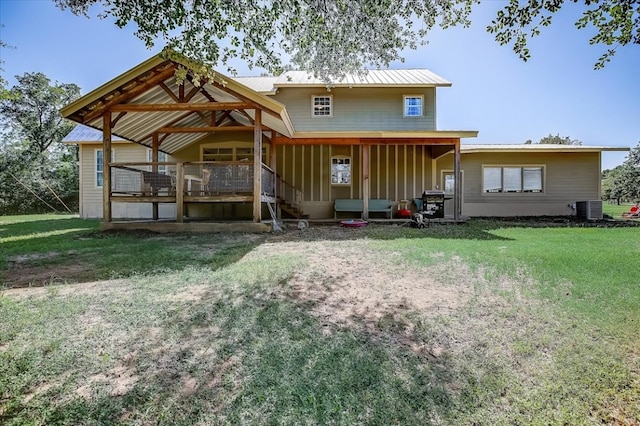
[100,165]
[341,170]
[413,105]
[512,179]
[322,106]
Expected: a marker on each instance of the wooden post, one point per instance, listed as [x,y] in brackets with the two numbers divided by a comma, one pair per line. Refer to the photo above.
[457,207]
[179,193]
[257,167]
[154,169]
[273,163]
[106,167]
[365,181]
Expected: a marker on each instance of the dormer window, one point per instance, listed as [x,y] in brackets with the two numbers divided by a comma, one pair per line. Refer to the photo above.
[321,106]
[413,105]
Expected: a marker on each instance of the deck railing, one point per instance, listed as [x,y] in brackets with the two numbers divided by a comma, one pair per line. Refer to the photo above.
[158,179]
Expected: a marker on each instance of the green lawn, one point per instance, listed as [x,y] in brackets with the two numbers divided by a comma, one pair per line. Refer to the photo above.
[491,322]
[615,210]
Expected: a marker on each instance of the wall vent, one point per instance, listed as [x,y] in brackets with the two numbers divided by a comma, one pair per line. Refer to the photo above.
[589,210]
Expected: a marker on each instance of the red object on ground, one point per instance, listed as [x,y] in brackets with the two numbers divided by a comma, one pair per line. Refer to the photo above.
[404,213]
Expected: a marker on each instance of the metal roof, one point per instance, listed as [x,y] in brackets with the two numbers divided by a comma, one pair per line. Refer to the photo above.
[262,84]
[136,86]
[82,133]
[372,78]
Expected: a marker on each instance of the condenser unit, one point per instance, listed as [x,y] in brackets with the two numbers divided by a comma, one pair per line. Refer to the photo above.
[589,210]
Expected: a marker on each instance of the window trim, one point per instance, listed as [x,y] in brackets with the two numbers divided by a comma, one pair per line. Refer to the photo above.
[341,157]
[543,179]
[234,145]
[313,106]
[404,105]
[95,165]
[162,169]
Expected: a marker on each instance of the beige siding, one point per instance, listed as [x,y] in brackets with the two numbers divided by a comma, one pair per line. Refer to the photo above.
[568,177]
[397,172]
[192,152]
[358,109]
[91,194]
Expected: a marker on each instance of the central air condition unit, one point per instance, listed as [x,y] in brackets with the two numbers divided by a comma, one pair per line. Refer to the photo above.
[589,210]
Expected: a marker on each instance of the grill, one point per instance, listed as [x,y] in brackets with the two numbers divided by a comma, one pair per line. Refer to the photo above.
[433,203]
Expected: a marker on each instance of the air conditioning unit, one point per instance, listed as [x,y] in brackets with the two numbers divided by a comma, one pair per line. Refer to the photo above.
[589,210]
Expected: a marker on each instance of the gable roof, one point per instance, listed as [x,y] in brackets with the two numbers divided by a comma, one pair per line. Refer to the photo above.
[154,82]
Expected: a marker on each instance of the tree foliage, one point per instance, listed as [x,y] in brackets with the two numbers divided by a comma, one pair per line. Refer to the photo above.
[334,37]
[623,182]
[329,38]
[617,23]
[33,162]
[556,140]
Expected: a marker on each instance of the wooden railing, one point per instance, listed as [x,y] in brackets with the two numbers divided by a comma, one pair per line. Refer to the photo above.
[289,193]
[159,179]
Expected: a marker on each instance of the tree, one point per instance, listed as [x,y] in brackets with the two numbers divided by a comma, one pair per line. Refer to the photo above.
[334,37]
[623,182]
[31,154]
[630,175]
[617,23]
[31,110]
[558,140]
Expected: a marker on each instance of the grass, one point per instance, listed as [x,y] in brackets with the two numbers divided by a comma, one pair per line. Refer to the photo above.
[211,329]
[615,210]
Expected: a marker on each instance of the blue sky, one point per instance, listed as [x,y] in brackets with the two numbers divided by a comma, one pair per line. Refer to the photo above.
[494,92]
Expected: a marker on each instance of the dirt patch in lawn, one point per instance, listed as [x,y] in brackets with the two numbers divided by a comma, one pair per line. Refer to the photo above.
[354,283]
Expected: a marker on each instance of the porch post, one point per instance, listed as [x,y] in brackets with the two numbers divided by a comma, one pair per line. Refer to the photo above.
[257,166]
[365,181]
[154,169]
[179,193]
[457,199]
[273,163]
[106,167]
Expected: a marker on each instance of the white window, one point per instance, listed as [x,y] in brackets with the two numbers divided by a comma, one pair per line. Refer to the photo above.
[413,106]
[341,171]
[162,158]
[321,106]
[100,166]
[512,179]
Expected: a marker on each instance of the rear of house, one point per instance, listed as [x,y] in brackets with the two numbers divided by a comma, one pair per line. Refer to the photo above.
[186,150]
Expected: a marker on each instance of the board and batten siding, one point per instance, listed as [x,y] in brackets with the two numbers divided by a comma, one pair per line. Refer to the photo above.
[358,109]
[396,172]
[91,195]
[568,177]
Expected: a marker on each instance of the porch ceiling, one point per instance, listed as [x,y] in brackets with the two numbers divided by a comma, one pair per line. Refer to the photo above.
[153,83]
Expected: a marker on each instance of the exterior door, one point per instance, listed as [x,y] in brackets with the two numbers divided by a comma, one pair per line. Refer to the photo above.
[449,185]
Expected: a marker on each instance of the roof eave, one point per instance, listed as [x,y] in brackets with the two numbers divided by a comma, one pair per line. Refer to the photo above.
[382,134]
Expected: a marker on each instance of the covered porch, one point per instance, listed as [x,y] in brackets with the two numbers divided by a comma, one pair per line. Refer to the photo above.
[158,106]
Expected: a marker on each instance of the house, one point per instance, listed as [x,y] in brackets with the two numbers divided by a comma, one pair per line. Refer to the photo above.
[160,148]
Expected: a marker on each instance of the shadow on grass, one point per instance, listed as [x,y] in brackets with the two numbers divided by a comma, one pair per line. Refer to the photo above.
[264,360]
[83,255]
